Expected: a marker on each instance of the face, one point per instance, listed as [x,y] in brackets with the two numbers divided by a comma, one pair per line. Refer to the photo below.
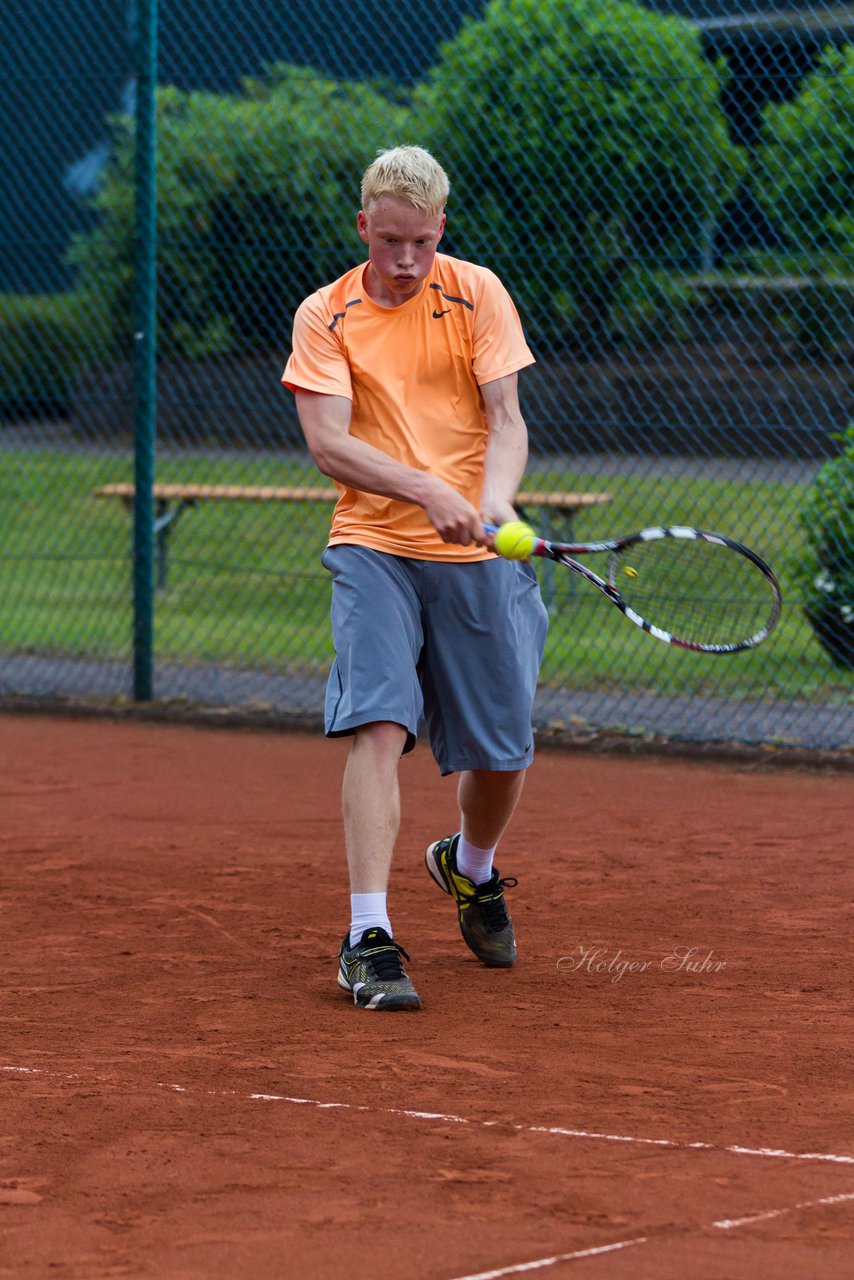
[403,242]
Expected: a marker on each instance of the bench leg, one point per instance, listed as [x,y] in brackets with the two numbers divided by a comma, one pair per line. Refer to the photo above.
[164,522]
[162,525]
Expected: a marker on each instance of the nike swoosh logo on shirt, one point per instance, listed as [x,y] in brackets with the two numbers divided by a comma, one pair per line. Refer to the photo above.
[437,315]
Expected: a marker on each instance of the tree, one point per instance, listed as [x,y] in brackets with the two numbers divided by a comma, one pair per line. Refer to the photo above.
[589,155]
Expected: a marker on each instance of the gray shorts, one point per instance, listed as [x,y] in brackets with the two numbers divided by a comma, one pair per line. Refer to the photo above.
[460,644]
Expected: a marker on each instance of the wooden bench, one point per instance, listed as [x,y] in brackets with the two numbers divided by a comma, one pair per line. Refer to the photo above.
[172,500]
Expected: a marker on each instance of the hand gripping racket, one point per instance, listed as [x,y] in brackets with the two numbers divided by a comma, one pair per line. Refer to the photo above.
[688,587]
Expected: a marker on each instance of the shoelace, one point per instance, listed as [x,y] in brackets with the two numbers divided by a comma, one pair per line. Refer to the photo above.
[386,962]
[490,898]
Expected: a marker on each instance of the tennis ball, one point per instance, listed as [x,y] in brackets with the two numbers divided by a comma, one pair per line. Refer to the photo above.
[630,572]
[515,540]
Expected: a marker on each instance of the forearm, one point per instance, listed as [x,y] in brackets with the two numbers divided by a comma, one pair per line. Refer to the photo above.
[504,465]
[358,465]
[325,421]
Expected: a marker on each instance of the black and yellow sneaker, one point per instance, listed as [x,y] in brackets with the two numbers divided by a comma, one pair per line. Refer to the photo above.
[484,923]
[373,971]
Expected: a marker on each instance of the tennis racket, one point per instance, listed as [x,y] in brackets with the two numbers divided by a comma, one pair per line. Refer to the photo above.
[688,587]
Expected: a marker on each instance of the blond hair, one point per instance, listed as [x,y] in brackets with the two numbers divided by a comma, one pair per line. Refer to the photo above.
[406,173]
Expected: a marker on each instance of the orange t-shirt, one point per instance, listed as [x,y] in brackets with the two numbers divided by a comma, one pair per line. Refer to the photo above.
[413,374]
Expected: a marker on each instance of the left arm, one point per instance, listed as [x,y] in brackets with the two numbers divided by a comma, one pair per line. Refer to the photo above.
[506,450]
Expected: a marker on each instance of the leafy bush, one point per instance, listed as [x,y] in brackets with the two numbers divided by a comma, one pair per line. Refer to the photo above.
[589,157]
[257,197]
[804,173]
[825,575]
[45,340]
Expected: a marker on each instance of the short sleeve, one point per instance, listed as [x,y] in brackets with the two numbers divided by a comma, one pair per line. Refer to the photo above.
[317,361]
[499,343]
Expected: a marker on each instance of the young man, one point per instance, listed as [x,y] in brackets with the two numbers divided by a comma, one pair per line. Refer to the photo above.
[404,372]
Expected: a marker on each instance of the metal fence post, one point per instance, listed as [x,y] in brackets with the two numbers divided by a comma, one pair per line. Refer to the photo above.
[145,347]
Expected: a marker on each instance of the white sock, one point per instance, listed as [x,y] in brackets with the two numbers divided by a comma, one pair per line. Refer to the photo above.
[367,911]
[474,863]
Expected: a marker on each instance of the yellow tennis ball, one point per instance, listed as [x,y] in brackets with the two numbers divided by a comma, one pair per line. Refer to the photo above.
[630,572]
[515,540]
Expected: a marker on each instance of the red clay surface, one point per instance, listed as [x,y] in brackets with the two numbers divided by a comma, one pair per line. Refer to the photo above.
[172,903]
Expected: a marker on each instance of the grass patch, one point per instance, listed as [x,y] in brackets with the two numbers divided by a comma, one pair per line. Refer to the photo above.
[246,586]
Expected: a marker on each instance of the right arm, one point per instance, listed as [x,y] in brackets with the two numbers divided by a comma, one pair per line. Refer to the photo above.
[325,422]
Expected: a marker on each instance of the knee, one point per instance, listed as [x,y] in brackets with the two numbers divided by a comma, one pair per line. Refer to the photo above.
[383,738]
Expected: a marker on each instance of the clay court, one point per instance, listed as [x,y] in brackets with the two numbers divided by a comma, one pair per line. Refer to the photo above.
[661,1088]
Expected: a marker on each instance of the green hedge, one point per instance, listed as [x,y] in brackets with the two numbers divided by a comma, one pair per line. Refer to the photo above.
[45,340]
[811,315]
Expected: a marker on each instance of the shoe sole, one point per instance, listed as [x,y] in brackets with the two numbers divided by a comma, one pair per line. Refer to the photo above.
[435,871]
[392,1004]
[489,961]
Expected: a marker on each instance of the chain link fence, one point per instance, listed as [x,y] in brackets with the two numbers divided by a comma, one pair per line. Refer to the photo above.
[667,191]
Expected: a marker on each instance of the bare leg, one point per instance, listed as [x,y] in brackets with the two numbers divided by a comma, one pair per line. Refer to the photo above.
[487,800]
[371,804]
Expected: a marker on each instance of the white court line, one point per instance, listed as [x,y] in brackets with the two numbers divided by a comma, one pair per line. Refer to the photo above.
[590,1135]
[724,1224]
[550,1262]
[538,1264]
[729,1224]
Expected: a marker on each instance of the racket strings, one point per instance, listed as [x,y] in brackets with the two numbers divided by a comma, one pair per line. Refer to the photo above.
[701,592]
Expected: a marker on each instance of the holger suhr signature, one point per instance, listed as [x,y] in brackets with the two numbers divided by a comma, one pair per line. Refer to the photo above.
[613,964]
